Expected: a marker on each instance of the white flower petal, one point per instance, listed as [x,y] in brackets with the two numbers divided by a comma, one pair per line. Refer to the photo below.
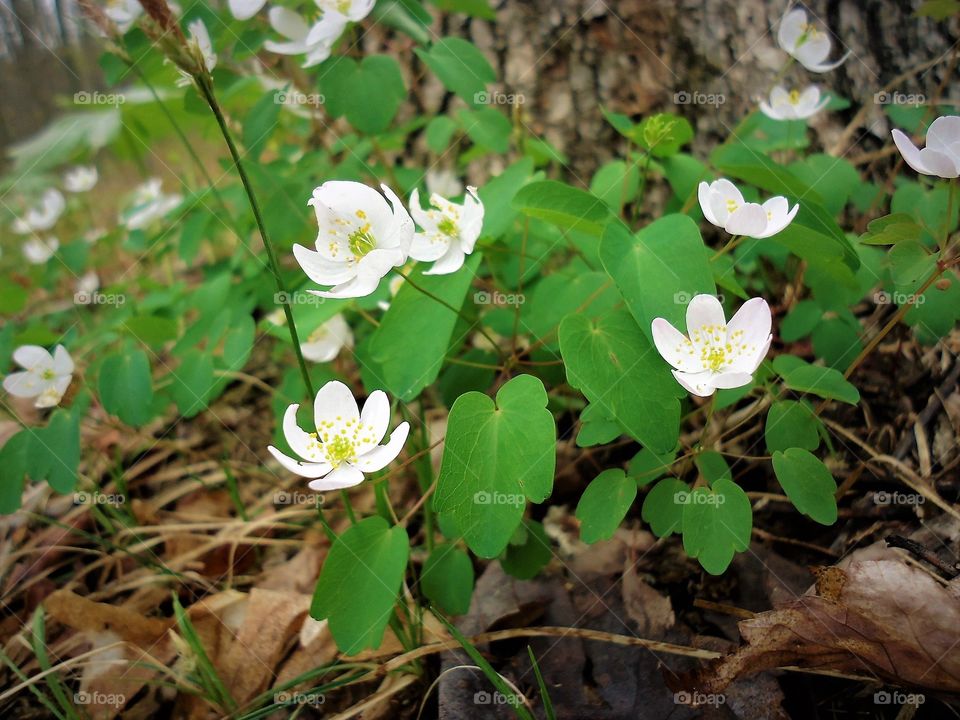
[696,383]
[320,269]
[748,332]
[749,219]
[307,470]
[33,357]
[450,262]
[703,311]
[729,380]
[674,346]
[703,194]
[340,477]
[335,404]
[383,455]
[62,362]
[23,384]
[429,246]
[288,23]
[376,414]
[791,29]
[300,441]
[246,9]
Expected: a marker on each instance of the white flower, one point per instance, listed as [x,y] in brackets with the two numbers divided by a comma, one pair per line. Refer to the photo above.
[359,238]
[793,105]
[43,215]
[443,182]
[123,13]
[87,284]
[325,343]
[93,235]
[723,205]
[38,251]
[345,444]
[149,203]
[809,45]
[315,41]
[278,317]
[450,231]
[44,377]
[941,156]
[202,49]
[716,355]
[80,179]
[245,9]
[354,10]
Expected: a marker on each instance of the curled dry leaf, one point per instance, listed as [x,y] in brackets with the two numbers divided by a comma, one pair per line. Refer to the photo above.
[884,619]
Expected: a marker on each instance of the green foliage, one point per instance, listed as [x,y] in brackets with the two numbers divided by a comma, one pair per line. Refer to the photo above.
[604,504]
[808,483]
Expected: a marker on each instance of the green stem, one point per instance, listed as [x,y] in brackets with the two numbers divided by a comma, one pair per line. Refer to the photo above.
[731,244]
[211,99]
[496,348]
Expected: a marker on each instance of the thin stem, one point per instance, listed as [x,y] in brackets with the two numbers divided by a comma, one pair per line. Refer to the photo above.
[731,244]
[407,278]
[284,295]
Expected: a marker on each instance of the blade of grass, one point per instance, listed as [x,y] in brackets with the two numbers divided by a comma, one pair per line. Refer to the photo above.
[544,695]
[209,679]
[38,630]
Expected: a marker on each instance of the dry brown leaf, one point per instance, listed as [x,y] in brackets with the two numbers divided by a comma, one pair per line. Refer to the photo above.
[890,621]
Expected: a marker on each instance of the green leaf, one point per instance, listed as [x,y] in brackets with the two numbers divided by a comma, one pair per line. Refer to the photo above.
[474,8]
[439,132]
[495,457]
[823,382]
[447,579]
[192,382]
[415,333]
[564,206]
[604,504]
[260,123]
[647,466]
[368,93]
[359,582]
[616,183]
[660,508]
[712,466]
[597,427]
[497,197]
[663,134]
[910,262]
[524,559]
[461,67]
[558,295]
[487,127]
[659,270]
[717,522]
[808,483]
[800,321]
[126,388]
[891,229]
[938,9]
[55,451]
[152,330]
[791,424]
[14,459]
[616,367]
